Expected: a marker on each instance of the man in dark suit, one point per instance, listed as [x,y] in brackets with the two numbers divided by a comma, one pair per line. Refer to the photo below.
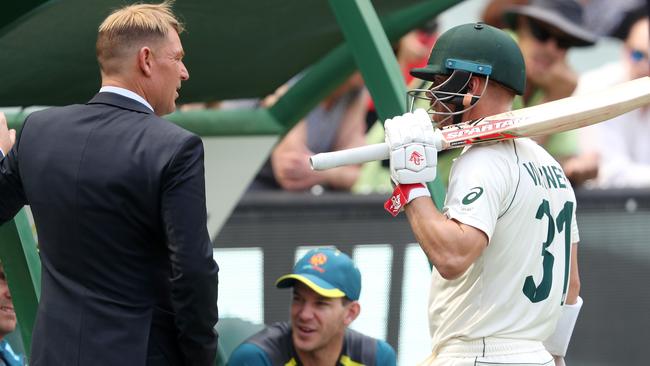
[118,197]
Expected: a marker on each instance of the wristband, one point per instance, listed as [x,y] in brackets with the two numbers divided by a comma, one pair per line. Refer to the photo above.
[403,194]
[558,342]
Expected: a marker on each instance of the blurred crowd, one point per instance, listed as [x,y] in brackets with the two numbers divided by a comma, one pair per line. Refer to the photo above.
[607,155]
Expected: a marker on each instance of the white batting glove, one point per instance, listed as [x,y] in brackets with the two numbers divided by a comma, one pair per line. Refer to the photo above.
[413,147]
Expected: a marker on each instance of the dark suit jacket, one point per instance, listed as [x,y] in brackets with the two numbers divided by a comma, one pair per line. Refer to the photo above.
[118,196]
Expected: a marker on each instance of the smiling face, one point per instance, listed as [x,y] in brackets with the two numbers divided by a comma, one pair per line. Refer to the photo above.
[318,323]
[167,73]
[7,314]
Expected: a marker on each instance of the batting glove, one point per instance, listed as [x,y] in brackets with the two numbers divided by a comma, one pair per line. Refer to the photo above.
[413,147]
[403,194]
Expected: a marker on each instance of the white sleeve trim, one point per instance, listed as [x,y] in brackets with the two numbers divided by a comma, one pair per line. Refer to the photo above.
[471,221]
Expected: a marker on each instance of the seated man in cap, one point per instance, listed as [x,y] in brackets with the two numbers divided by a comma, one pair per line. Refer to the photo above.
[326,287]
[7,324]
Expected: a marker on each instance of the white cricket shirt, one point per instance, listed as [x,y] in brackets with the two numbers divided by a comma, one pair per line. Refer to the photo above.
[517,194]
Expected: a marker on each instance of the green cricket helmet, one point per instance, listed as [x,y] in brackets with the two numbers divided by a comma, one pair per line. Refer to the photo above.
[478,49]
[460,53]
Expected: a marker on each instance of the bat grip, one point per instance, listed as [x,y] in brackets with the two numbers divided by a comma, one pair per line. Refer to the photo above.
[356,155]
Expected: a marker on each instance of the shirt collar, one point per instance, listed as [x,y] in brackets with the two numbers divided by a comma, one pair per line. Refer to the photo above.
[125,93]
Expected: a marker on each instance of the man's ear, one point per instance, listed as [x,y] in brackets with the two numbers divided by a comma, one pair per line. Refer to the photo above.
[145,60]
[352,312]
[475,86]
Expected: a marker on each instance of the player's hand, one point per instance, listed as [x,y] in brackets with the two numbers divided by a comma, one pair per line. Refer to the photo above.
[7,136]
[557,81]
[291,169]
[413,147]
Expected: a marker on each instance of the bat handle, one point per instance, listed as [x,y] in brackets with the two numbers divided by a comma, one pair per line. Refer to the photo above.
[356,155]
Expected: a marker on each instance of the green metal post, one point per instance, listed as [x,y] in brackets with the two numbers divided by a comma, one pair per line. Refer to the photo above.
[401,23]
[374,56]
[316,84]
[22,266]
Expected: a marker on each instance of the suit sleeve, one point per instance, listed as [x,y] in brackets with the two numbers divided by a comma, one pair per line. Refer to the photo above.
[12,194]
[194,273]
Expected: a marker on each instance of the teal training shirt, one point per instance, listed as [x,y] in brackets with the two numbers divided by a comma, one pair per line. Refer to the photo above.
[272,347]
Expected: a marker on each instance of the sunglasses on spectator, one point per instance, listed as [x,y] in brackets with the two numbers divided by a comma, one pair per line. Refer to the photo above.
[638,55]
[542,34]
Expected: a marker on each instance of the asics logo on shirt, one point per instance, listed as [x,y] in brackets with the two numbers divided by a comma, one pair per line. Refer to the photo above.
[472,196]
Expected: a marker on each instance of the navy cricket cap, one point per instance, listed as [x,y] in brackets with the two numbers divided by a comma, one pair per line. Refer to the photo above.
[329,272]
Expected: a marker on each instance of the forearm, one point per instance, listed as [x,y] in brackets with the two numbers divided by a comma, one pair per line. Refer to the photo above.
[574,278]
[342,178]
[449,245]
[623,173]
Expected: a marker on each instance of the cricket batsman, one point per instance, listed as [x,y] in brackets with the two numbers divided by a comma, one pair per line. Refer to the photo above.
[505,285]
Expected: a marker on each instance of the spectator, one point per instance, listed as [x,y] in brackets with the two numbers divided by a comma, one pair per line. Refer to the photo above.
[610,18]
[545,30]
[493,12]
[337,123]
[616,152]
[602,17]
[326,288]
[411,51]
[7,324]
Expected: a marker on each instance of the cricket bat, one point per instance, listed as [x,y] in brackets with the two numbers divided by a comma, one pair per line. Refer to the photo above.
[548,118]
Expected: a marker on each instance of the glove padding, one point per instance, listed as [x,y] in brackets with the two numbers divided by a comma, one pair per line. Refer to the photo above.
[413,147]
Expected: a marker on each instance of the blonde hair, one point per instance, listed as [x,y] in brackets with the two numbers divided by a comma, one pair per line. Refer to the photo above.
[131,26]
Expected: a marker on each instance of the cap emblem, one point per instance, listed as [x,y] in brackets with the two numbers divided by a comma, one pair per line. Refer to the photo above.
[317,260]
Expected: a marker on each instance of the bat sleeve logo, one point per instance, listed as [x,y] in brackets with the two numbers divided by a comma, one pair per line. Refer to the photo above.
[472,196]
